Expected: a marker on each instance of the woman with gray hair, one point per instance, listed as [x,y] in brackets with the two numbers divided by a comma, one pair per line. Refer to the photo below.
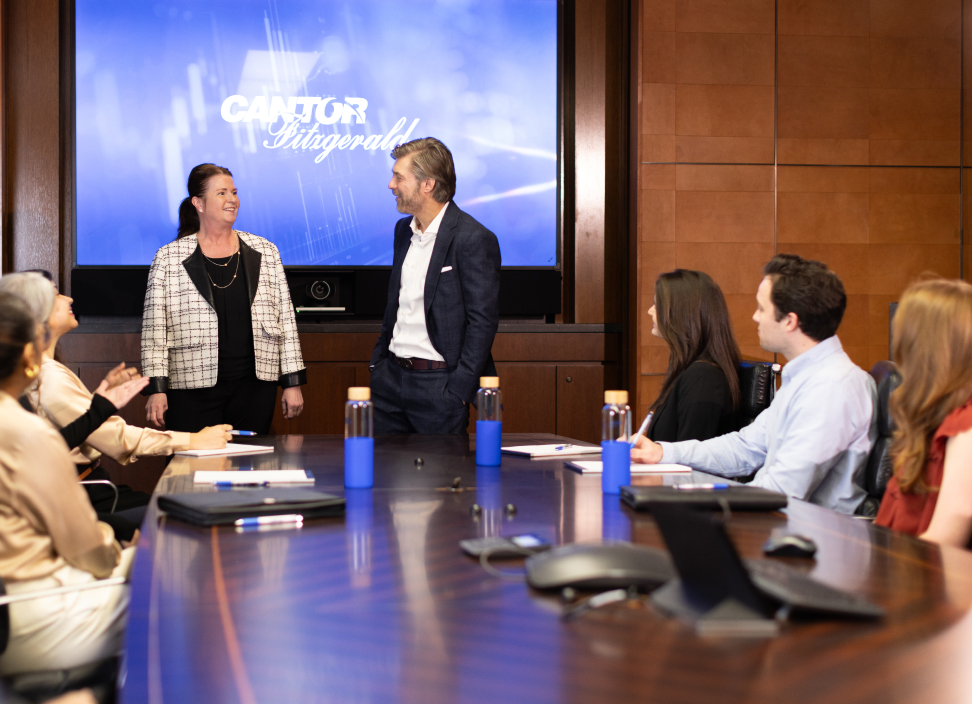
[51,537]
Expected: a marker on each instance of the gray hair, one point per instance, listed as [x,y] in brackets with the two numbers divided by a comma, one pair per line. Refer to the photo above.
[34,290]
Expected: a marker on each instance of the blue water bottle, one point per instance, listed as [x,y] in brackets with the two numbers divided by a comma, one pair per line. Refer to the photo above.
[489,427]
[359,441]
[615,448]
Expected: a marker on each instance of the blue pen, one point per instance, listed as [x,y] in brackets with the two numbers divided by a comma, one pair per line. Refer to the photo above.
[242,432]
[266,520]
[562,447]
[233,484]
[701,487]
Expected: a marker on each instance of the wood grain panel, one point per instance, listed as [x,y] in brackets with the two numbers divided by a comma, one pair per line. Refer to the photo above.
[658,57]
[725,59]
[589,154]
[823,112]
[724,150]
[891,267]
[824,17]
[814,179]
[724,111]
[541,347]
[822,217]
[737,16]
[100,348]
[823,151]
[580,395]
[31,105]
[529,397]
[915,62]
[656,214]
[914,152]
[324,397]
[706,216]
[736,267]
[657,109]
[915,218]
[912,113]
[915,18]
[827,62]
[723,178]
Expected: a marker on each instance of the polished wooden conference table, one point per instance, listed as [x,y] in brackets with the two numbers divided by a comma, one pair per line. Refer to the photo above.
[381,605]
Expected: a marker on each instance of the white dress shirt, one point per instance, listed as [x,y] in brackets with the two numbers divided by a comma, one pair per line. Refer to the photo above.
[812,442]
[410,338]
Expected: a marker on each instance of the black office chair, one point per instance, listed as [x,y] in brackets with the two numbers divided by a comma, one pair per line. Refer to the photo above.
[40,686]
[879,468]
[757,385]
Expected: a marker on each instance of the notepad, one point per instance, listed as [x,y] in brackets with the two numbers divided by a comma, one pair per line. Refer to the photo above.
[258,477]
[561,450]
[232,448]
[594,467]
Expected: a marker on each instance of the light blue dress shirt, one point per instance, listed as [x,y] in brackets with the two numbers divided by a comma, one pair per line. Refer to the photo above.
[812,442]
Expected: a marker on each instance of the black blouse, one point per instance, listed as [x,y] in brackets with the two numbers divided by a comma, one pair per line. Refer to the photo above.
[232,304]
[699,407]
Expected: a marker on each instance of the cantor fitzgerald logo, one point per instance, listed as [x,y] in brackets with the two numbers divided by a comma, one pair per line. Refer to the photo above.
[301,119]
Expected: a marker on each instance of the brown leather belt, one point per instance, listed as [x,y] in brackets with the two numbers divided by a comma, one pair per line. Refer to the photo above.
[417,364]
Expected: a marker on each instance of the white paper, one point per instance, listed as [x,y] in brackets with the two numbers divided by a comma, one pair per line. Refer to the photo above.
[255,476]
[232,448]
[551,450]
[595,467]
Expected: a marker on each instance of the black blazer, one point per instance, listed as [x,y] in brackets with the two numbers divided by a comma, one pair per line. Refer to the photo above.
[698,408]
[461,304]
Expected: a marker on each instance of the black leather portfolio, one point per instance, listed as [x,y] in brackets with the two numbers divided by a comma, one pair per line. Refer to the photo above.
[210,508]
[741,498]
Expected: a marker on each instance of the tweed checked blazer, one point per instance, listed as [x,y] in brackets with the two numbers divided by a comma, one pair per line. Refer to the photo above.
[180,344]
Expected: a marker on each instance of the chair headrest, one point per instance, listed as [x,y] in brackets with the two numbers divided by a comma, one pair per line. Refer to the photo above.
[887,378]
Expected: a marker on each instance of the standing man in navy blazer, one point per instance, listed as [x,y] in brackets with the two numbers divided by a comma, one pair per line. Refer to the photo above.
[443,302]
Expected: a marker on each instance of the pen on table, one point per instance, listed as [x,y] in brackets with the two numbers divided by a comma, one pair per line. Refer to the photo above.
[701,487]
[231,484]
[266,520]
[642,429]
[242,432]
[562,447]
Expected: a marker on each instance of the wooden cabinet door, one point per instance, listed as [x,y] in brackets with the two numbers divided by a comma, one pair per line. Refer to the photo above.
[580,395]
[324,394]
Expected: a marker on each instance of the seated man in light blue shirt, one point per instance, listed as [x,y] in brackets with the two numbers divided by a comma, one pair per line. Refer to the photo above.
[813,441]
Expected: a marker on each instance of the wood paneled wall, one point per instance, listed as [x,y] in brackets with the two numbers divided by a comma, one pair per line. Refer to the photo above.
[827,128]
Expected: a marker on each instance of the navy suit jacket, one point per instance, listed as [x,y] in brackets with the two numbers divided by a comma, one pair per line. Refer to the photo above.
[461,305]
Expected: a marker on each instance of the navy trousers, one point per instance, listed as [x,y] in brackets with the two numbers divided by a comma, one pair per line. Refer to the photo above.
[410,402]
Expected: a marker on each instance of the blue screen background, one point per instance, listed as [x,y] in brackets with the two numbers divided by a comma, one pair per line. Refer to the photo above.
[153,80]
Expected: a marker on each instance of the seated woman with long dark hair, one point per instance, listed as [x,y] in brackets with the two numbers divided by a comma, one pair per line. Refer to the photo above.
[930,494]
[50,537]
[700,395]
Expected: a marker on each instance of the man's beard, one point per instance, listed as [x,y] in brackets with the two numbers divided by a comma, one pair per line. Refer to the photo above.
[409,203]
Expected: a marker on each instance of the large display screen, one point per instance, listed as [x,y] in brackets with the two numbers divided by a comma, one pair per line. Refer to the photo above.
[303,101]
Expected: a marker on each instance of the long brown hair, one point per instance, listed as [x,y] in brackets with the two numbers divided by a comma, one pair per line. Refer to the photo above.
[932,346]
[694,320]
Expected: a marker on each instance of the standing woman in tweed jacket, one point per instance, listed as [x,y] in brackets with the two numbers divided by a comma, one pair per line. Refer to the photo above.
[218,330]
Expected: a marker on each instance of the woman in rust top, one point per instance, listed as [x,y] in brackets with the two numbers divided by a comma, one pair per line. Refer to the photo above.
[930,494]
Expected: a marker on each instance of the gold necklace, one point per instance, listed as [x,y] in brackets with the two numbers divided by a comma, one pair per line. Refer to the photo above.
[231,280]
[229,258]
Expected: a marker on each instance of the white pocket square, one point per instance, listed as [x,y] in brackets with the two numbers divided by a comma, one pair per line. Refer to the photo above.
[445,269]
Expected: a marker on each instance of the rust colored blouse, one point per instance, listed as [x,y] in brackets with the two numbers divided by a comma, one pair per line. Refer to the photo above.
[912,513]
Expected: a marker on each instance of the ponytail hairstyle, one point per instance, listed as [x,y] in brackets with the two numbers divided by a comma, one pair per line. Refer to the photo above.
[197,185]
[17,330]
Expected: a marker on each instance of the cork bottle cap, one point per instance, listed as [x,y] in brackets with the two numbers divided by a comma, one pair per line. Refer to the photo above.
[489,382]
[617,397]
[359,393]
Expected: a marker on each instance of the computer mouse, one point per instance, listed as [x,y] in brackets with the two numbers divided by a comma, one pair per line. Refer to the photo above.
[603,566]
[789,545]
